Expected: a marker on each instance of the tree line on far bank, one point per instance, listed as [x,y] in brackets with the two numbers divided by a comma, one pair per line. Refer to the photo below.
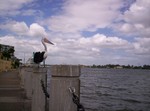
[120,66]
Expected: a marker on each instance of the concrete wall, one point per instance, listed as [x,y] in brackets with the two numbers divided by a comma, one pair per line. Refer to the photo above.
[26,74]
[38,98]
[31,82]
[63,77]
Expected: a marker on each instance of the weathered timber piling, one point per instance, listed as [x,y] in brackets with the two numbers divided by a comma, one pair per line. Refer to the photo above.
[63,78]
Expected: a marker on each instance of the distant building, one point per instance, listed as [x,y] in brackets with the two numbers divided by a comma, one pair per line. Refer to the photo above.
[6,51]
[118,67]
[5,47]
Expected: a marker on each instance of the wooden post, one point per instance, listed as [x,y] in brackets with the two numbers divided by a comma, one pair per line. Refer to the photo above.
[38,97]
[63,77]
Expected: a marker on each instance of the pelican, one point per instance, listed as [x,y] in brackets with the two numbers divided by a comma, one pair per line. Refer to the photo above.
[41,56]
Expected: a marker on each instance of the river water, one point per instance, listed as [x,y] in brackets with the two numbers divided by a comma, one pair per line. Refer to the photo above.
[114,89]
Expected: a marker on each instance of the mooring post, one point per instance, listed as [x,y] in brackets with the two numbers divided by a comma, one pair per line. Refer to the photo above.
[38,97]
[63,78]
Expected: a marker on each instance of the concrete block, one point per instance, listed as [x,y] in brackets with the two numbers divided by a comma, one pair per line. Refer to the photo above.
[63,77]
[38,97]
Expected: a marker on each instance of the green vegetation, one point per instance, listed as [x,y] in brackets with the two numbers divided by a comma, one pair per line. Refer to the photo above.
[15,64]
[121,66]
[0,47]
[8,54]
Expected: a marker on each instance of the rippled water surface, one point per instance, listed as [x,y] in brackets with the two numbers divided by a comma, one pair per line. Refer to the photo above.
[115,89]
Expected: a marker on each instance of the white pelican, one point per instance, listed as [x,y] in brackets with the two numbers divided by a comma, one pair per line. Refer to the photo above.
[39,57]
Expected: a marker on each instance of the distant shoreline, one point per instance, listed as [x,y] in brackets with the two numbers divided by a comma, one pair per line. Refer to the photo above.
[113,66]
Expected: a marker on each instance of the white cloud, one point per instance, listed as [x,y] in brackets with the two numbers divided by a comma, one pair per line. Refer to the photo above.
[139,13]
[21,45]
[137,19]
[21,28]
[142,46]
[99,40]
[99,49]
[82,15]
[127,28]
[16,27]
[36,30]
[86,50]
[10,7]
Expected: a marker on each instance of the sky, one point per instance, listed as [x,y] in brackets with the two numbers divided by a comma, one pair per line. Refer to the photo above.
[84,31]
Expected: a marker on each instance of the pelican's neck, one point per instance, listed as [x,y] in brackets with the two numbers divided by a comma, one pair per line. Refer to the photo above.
[45,48]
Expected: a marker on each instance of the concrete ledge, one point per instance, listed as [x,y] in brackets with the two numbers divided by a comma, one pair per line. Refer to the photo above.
[65,70]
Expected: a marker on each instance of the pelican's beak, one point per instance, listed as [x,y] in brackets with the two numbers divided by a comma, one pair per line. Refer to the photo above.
[47,41]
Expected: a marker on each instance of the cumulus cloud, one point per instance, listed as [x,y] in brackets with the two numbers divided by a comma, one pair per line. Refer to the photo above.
[37,30]
[16,27]
[141,46]
[137,19]
[82,15]
[103,41]
[21,28]
[139,13]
